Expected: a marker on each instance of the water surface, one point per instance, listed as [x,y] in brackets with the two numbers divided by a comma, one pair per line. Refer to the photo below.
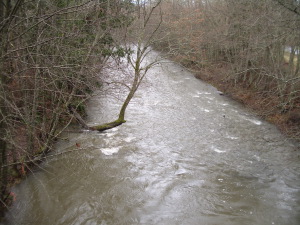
[186,156]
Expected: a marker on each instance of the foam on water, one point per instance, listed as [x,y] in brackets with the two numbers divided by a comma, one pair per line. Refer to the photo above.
[110,151]
[110,134]
[203,93]
[129,139]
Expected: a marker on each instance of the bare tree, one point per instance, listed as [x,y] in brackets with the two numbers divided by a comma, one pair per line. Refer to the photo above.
[50,58]
[144,31]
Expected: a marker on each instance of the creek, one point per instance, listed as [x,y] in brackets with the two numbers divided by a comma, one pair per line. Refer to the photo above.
[186,155]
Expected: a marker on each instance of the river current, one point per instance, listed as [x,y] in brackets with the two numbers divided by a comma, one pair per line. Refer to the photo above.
[186,156]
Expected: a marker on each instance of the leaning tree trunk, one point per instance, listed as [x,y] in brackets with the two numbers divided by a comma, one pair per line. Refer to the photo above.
[121,118]
[106,126]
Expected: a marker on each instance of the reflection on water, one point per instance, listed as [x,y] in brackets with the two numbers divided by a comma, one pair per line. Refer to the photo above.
[185,156]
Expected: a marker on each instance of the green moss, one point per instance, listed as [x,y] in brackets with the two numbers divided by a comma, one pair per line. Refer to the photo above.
[110,125]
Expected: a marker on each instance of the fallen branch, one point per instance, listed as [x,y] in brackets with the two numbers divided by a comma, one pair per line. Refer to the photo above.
[79,119]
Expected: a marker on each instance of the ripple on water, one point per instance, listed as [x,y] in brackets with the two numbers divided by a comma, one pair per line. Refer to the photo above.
[217,150]
[256,122]
[129,139]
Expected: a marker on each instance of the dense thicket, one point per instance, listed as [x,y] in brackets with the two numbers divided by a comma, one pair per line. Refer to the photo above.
[51,53]
[256,42]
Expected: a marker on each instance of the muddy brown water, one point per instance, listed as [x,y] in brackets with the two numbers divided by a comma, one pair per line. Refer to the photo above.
[186,156]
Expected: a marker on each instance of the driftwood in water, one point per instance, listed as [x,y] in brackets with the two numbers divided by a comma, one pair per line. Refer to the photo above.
[79,119]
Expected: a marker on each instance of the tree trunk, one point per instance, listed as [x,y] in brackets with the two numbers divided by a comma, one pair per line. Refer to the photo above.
[3,173]
[121,118]
[3,150]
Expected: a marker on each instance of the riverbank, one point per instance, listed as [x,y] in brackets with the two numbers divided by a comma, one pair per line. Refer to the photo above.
[175,153]
[264,104]
[20,164]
